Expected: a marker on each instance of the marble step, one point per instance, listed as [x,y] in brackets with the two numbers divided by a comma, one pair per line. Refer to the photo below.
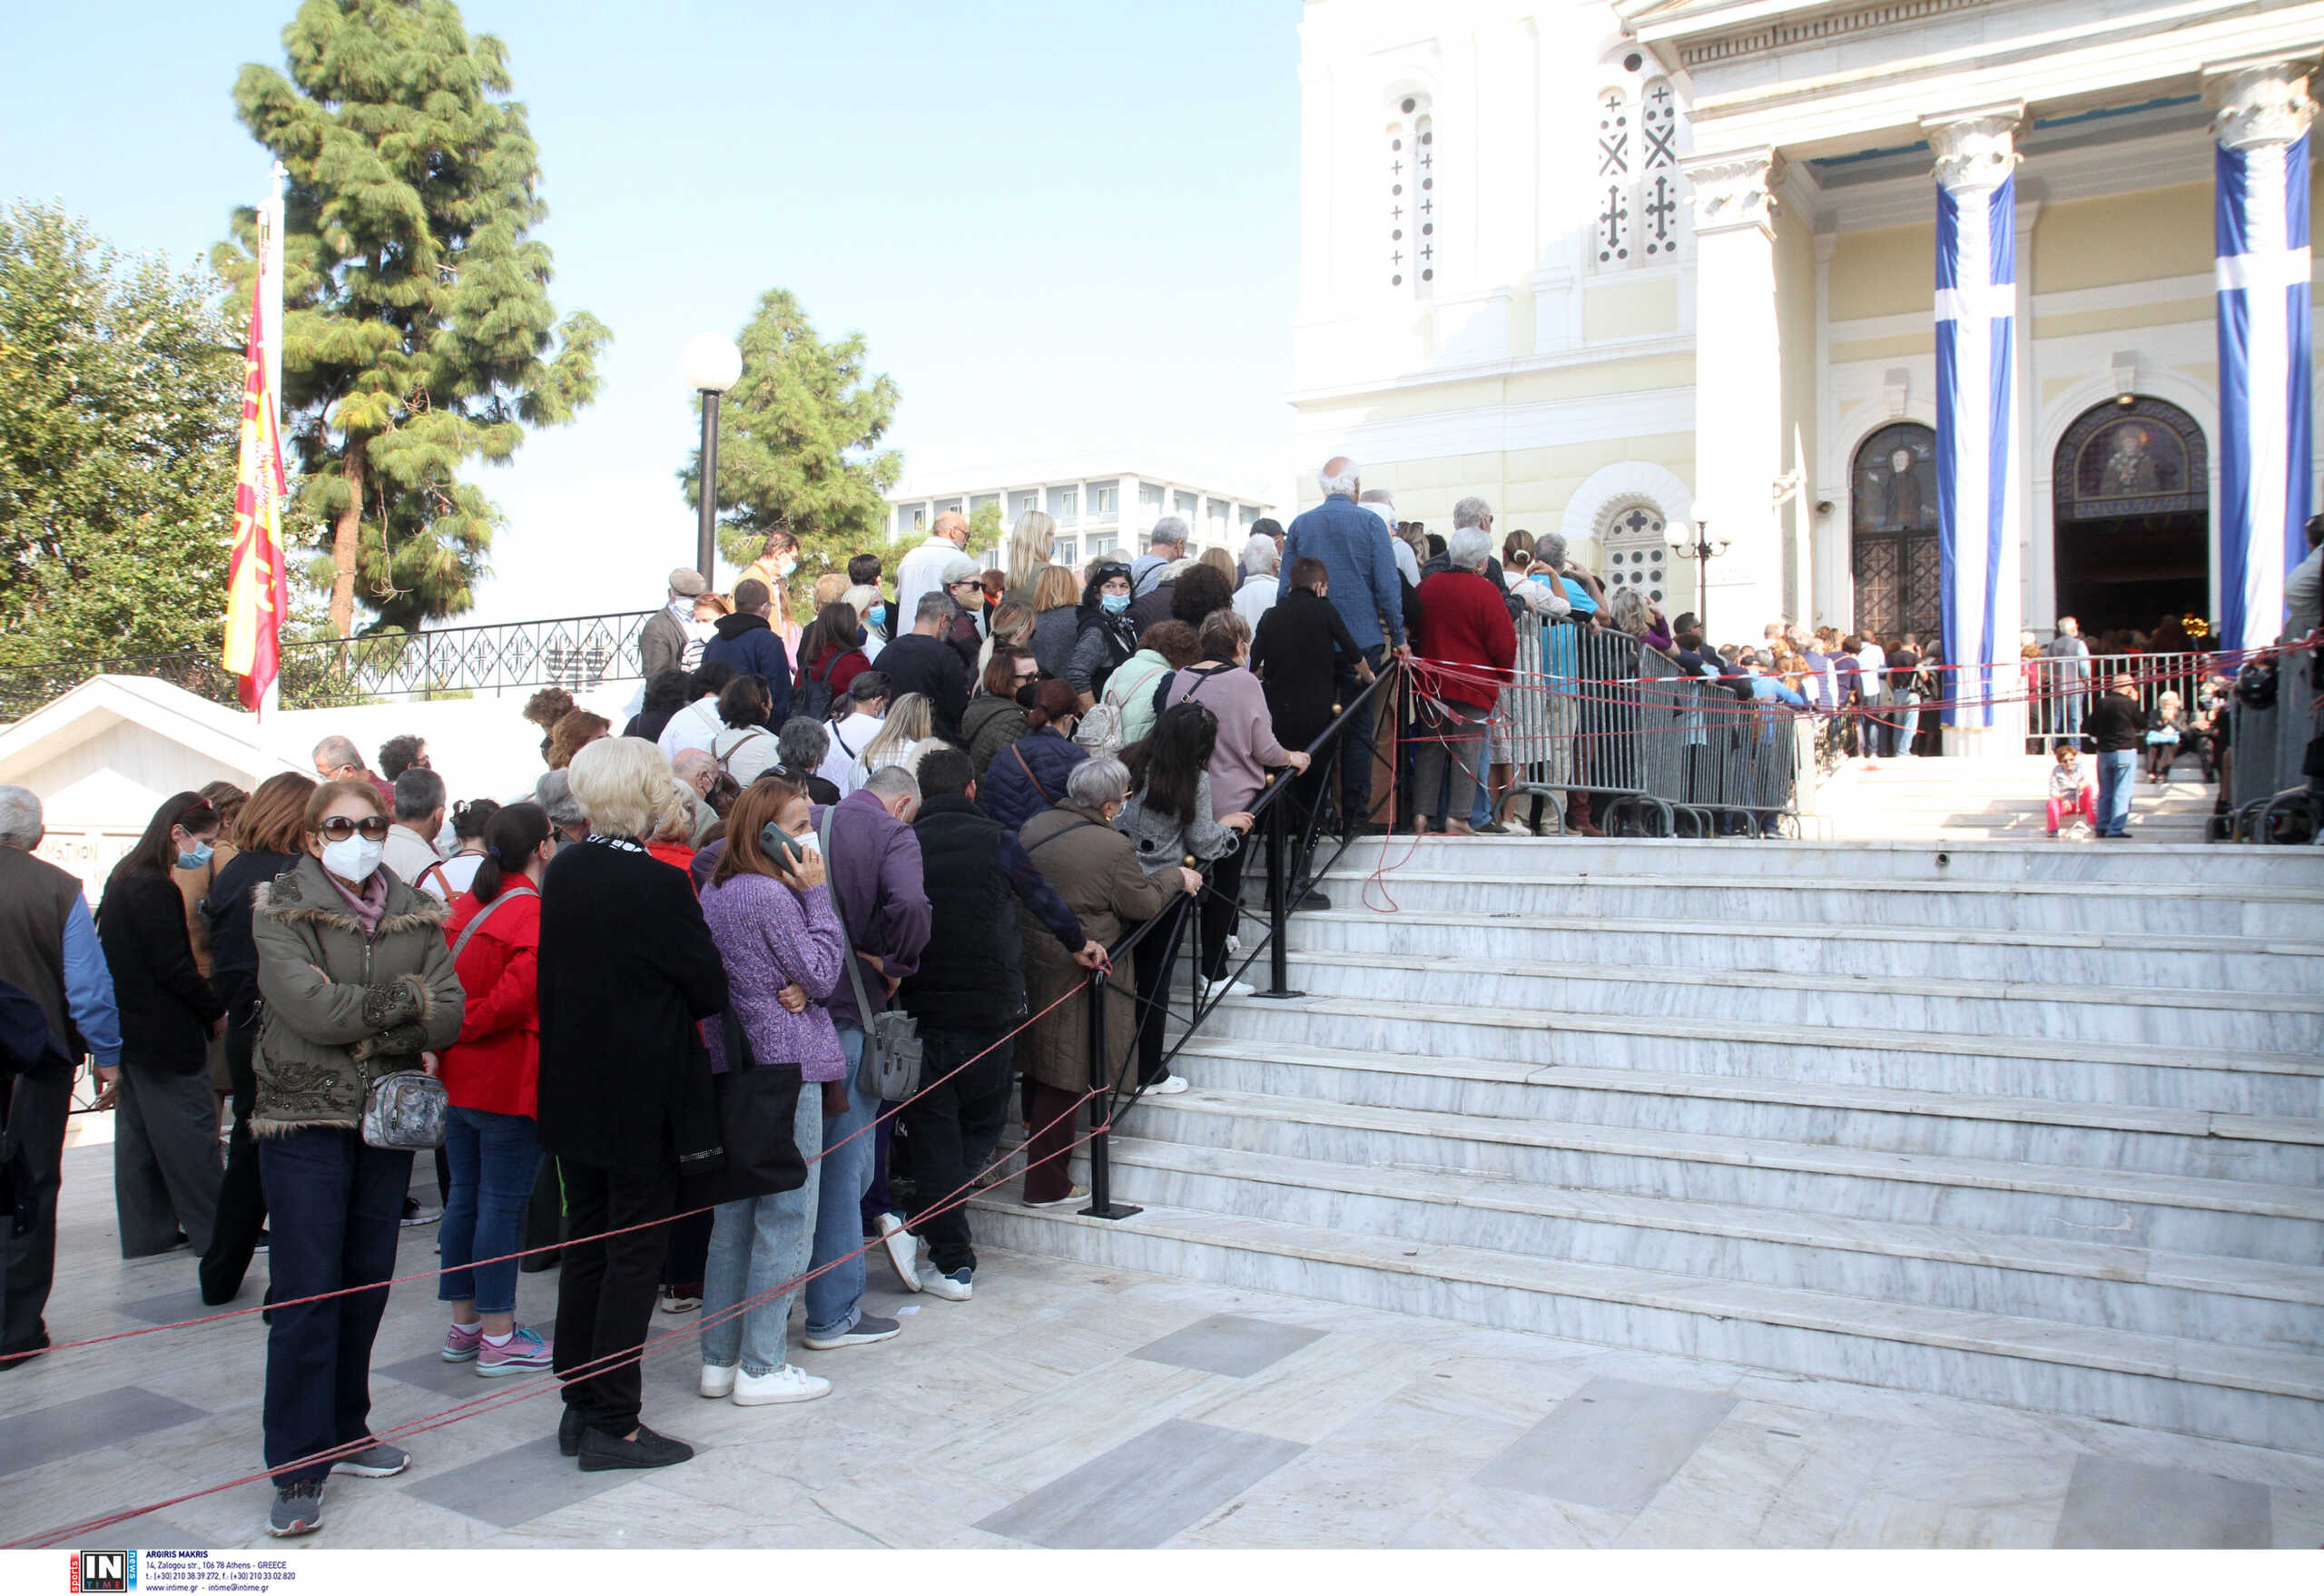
[2257,1397]
[2166,909]
[2284,1223]
[2273,1150]
[2098,1016]
[2232,1300]
[2095,958]
[2220,865]
[2162,1077]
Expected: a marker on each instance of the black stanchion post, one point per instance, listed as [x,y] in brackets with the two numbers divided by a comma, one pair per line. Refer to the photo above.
[1101,1108]
[1279,891]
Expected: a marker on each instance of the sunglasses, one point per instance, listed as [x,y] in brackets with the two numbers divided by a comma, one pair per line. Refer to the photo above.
[372,828]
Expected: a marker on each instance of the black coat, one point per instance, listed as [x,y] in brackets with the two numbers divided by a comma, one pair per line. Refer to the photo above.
[166,1008]
[2116,723]
[917,662]
[233,957]
[626,968]
[971,974]
[1301,652]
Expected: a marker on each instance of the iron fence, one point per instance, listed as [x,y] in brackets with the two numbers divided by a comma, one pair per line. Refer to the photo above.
[2059,692]
[578,653]
[2272,718]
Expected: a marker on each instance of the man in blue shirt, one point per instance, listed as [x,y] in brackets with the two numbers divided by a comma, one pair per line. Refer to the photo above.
[48,948]
[1362,584]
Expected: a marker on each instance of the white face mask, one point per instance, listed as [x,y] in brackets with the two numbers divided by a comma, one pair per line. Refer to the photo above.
[353,860]
[682,608]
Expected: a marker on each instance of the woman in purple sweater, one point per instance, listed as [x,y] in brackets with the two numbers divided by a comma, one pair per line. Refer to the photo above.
[773,920]
[1221,682]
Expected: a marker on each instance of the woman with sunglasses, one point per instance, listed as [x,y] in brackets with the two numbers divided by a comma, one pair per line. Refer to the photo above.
[165,1166]
[358,983]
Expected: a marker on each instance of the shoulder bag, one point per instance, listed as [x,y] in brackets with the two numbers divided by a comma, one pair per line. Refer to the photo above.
[405,1111]
[758,1119]
[892,1044]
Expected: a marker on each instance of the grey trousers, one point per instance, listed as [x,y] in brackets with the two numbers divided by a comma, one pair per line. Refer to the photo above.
[165,1166]
[37,1111]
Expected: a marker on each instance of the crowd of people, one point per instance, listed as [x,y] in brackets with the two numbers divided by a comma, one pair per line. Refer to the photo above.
[662,990]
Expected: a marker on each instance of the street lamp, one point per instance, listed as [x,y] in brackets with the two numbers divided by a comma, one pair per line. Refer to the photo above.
[1701,547]
[712,365]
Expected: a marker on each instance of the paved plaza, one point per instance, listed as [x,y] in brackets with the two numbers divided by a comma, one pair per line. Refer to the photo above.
[1069,1405]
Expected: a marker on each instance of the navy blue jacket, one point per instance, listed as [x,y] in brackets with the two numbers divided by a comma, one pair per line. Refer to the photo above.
[1011,795]
[749,645]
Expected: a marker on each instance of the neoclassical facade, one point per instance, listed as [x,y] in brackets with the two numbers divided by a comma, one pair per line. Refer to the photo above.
[1622,268]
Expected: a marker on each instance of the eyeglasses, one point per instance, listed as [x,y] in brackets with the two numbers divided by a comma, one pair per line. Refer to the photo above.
[338,828]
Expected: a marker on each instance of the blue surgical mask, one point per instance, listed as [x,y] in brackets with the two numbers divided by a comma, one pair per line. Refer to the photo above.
[1114,603]
[195,857]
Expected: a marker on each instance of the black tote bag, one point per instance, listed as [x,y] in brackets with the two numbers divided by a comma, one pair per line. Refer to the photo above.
[758,1119]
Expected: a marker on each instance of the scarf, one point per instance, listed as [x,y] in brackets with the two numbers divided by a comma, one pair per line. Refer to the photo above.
[370,907]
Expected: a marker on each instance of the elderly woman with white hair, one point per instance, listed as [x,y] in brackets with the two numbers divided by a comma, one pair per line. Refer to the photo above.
[1095,870]
[1466,647]
[1262,561]
[627,969]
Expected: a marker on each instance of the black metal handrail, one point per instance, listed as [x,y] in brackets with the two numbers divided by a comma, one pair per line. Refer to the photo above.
[574,652]
[1288,867]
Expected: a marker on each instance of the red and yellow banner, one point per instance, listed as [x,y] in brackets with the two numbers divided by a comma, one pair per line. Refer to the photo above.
[257,590]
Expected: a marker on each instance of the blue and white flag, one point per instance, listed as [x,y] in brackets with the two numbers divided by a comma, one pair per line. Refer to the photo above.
[2261,229]
[1976,302]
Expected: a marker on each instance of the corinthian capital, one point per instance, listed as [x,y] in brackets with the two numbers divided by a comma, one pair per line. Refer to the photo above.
[1974,153]
[1735,190]
[2259,103]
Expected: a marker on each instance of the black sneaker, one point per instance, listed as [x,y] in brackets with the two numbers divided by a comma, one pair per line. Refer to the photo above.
[645,1450]
[412,1214]
[568,1431]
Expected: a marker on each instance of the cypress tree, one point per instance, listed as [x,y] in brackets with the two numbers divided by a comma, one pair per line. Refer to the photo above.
[418,331]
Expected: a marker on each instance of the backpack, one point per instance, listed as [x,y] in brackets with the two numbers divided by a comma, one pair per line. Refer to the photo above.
[811,695]
[1100,730]
[740,744]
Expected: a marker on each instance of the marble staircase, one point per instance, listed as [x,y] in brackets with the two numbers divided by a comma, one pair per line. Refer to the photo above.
[2025,1123]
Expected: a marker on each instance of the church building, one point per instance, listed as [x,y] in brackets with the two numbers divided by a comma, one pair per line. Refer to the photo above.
[1882,297]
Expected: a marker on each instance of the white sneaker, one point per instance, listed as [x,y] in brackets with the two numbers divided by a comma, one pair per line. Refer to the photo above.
[954,1288]
[788,1383]
[1167,1086]
[1234,943]
[902,1249]
[1225,988]
[717,1379]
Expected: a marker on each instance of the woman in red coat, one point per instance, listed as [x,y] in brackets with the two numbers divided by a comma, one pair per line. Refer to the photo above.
[491,1076]
[1464,625]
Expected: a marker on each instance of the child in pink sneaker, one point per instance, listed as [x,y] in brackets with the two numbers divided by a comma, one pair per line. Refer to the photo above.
[2070,791]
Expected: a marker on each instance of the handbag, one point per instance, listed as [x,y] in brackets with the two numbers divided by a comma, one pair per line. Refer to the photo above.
[758,1119]
[405,1111]
[892,1044]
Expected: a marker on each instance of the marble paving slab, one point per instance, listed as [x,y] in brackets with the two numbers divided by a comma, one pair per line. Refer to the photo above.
[1612,1445]
[50,1434]
[171,1307]
[429,1370]
[1228,1343]
[1144,1490]
[2130,1505]
[510,1488]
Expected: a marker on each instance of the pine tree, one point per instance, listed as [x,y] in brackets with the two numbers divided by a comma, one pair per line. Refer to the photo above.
[417,332]
[797,437]
[120,413]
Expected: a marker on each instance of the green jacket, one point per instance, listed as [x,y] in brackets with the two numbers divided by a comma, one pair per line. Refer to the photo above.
[342,1011]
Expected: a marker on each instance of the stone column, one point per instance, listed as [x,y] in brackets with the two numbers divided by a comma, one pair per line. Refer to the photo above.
[1738,386]
[1977,454]
[2262,233]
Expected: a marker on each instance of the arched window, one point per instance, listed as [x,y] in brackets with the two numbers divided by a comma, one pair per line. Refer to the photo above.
[1636,555]
[1640,216]
[1893,520]
[1409,206]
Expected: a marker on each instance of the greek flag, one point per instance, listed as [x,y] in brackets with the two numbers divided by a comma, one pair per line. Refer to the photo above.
[1976,299]
[2261,228]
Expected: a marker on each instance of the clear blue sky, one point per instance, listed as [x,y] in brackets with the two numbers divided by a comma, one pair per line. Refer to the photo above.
[1063,228]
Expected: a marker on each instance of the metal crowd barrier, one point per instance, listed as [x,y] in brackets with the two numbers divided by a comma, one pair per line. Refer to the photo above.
[1601,713]
[2268,795]
[2060,691]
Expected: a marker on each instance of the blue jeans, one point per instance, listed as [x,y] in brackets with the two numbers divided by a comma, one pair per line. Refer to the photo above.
[2116,771]
[755,1246]
[1904,722]
[845,1173]
[494,1159]
[335,1210]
